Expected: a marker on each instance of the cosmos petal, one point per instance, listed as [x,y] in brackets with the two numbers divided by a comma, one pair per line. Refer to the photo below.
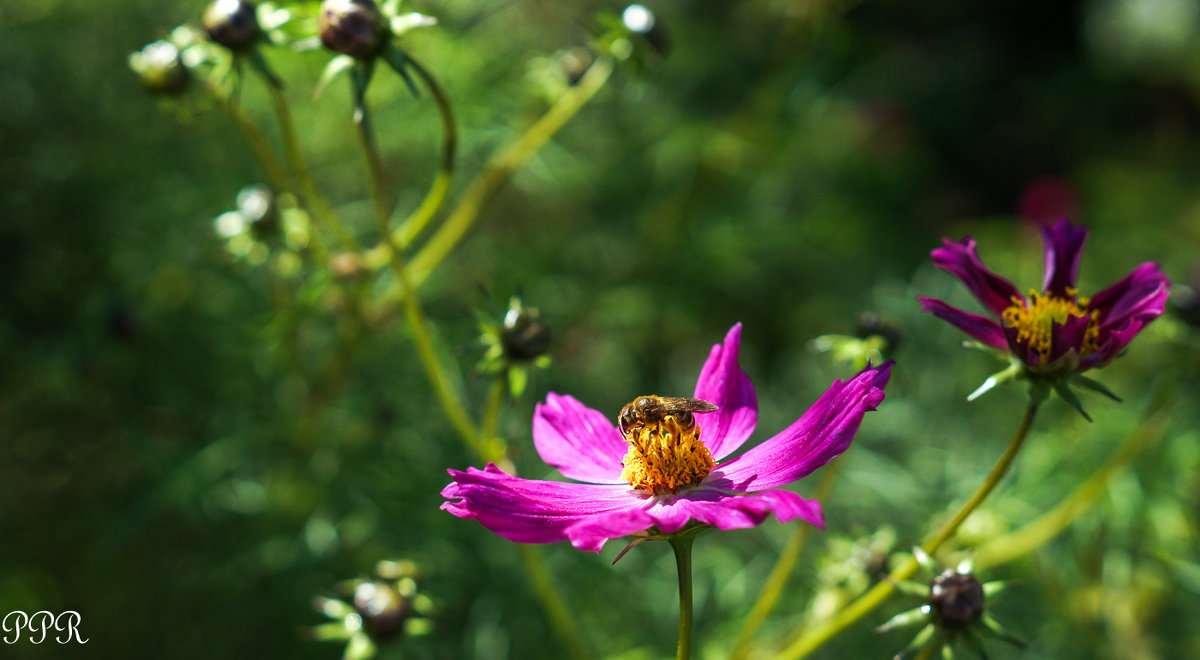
[823,432]
[978,326]
[723,382]
[578,441]
[960,260]
[530,510]
[591,534]
[1142,294]
[1063,245]
[730,511]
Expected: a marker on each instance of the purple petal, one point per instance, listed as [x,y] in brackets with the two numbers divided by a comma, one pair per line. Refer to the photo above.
[960,260]
[1063,245]
[577,440]
[1066,337]
[668,516]
[528,510]
[724,383]
[1141,295]
[980,327]
[727,511]
[823,432]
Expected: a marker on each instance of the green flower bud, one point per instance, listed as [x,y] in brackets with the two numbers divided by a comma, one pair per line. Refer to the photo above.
[231,23]
[257,204]
[525,335]
[352,27]
[956,599]
[159,68]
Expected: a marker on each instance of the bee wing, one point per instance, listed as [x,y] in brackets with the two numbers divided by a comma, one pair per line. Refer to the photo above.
[670,404]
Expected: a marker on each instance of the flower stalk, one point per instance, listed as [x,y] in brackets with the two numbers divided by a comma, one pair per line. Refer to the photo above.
[309,192]
[681,544]
[435,198]
[502,165]
[1032,536]
[812,639]
[784,565]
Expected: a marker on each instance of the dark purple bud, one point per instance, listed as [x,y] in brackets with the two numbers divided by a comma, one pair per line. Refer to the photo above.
[525,335]
[352,27]
[956,598]
[231,23]
[382,609]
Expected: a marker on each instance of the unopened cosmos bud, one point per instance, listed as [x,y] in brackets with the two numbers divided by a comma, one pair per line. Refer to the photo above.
[956,599]
[525,335]
[231,23]
[352,27]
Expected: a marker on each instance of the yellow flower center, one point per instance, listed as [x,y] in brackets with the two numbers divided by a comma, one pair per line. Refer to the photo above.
[665,455]
[1035,321]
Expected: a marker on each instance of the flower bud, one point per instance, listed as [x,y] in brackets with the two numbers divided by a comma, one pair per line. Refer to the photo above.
[525,335]
[159,68]
[352,27]
[382,608]
[231,23]
[956,598]
[257,204]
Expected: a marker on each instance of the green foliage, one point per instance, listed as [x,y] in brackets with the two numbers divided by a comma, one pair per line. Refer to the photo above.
[195,441]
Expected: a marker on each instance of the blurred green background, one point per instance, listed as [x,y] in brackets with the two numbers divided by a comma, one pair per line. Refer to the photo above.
[179,463]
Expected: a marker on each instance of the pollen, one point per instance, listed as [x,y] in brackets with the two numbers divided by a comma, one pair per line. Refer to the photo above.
[665,456]
[1035,321]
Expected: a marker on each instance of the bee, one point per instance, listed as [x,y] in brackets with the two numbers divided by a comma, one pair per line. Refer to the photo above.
[653,408]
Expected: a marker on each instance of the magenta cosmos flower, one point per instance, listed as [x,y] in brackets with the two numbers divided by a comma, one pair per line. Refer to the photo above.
[660,474]
[1055,331]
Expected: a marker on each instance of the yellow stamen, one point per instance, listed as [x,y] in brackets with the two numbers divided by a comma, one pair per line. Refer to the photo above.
[1035,321]
[664,456]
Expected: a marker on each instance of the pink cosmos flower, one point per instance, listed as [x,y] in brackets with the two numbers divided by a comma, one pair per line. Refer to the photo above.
[1054,331]
[679,477]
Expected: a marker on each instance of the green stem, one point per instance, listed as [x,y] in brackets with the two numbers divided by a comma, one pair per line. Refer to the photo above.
[927,652]
[259,145]
[451,404]
[498,169]
[552,602]
[366,137]
[1050,524]
[412,226]
[810,640]
[773,589]
[310,194]
[682,545]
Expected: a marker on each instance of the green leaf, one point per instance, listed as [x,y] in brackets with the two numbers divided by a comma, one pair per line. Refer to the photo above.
[336,67]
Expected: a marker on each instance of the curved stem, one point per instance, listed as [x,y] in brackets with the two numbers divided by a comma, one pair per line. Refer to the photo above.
[413,224]
[814,638]
[773,588]
[451,403]
[277,176]
[366,137]
[1050,524]
[498,169]
[310,194]
[552,602]
[682,545]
